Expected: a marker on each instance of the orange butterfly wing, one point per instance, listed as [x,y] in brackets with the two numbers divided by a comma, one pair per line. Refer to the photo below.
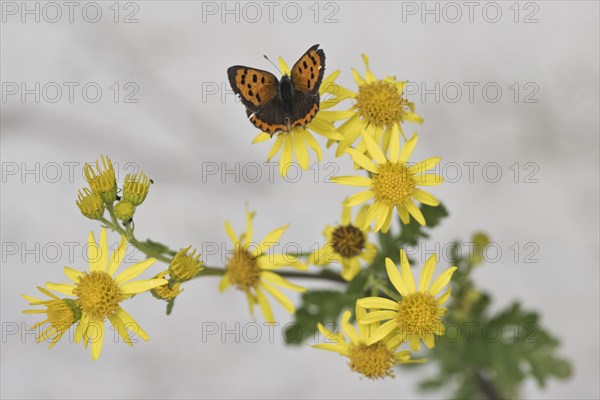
[255,87]
[307,73]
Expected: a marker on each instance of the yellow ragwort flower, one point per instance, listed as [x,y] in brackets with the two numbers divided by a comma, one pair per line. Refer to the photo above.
[166,292]
[185,266]
[380,108]
[372,359]
[393,183]
[300,139]
[102,181]
[61,314]
[124,210]
[418,315]
[90,204]
[346,244]
[135,188]
[250,269]
[98,293]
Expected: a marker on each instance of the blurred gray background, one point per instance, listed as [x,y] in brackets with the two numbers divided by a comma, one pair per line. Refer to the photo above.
[172,56]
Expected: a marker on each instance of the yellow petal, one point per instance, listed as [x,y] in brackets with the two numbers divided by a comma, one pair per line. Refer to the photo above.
[352,180]
[132,324]
[373,149]
[394,144]
[348,328]
[81,328]
[429,340]
[407,275]
[93,253]
[117,256]
[98,338]
[382,331]
[261,137]
[428,179]
[383,210]
[403,213]
[378,302]
[72,274]
[251,300]
[357,78]
[63,288]
[120,328]
[275,148]
[425,197]
[362,160]
[415,212]
[370,216]
[133,271]
[142,286]
[280,297]
[395,277]
[415,343]
[264,306]
[359,198]
[269,240]
[224,283]
[103,261]
[444,297]
[332,347]
[376,316]
[346,215]
[408,148]
[231,233]
[285,70]
[442,280]
[286,155]
[301,150]
[280,281]
[313,144]
[336,115]
[369,75]
[423,166]
[427,273]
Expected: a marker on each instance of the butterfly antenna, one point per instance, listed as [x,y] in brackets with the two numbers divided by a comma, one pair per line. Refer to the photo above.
[273,64]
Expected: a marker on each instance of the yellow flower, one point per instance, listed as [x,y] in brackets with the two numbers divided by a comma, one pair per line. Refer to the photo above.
[373,359]
[346,244]
[380,108]
[185,266]
[61,314]
[135,188]
[393,183]
[90,204]
[124,210]
[166,292]
[250,269]
[102,181]
[296,142]
[418,315]
[98,293]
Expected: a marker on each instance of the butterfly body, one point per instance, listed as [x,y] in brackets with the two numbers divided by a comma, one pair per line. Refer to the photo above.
[274,105]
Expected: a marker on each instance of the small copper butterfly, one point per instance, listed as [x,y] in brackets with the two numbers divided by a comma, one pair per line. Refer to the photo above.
[281,105]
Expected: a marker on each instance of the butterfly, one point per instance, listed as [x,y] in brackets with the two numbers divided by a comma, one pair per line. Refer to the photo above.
[281,105]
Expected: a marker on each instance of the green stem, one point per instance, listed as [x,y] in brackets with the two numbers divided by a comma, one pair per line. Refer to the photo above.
[208,270]
[215,271]
[128,232]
